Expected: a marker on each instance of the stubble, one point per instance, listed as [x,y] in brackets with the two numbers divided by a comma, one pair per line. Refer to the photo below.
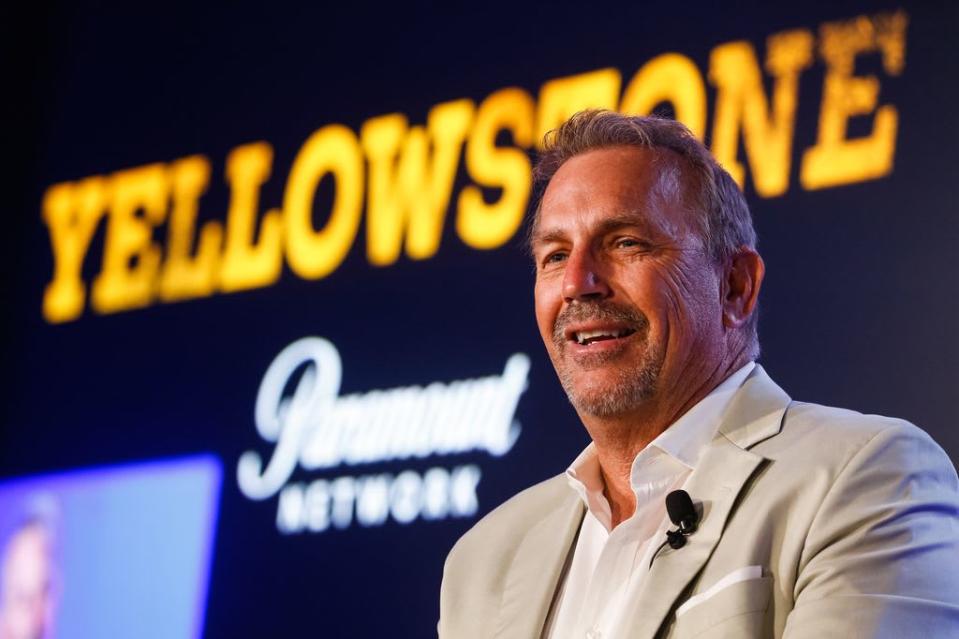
[623,387]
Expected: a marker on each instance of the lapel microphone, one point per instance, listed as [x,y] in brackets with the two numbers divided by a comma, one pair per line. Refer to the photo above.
[679,507]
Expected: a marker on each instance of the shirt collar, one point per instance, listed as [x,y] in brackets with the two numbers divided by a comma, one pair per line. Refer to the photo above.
[683,442]
[687,437]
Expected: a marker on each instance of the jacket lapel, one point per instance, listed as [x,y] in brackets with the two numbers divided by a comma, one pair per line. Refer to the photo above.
[535,570]
[725,467]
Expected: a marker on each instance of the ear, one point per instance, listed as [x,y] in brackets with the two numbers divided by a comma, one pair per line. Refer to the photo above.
[743,279]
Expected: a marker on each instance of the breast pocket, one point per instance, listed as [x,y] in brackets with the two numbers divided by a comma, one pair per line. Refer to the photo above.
[734,611]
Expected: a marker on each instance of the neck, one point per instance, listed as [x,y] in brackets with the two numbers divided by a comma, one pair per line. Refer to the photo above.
[620,438]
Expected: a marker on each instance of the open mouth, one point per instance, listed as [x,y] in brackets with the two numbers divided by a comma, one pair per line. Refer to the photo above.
[585,338]
[598,329]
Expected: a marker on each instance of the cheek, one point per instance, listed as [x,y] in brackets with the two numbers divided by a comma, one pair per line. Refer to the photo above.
[546,310]
[688,302]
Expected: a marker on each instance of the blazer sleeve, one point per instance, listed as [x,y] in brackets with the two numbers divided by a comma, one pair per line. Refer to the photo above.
[881,558]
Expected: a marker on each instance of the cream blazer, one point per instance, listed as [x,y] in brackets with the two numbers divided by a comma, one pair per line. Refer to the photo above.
[816,522]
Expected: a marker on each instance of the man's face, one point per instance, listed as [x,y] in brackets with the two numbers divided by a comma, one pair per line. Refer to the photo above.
[627,298]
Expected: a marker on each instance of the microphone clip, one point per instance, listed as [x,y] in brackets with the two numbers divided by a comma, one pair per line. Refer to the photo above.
[683,514]
[675,538]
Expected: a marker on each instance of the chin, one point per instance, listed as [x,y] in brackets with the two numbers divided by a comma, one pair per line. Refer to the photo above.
[611,397]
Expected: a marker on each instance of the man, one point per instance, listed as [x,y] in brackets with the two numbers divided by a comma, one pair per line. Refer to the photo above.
[813,521]
[28,582]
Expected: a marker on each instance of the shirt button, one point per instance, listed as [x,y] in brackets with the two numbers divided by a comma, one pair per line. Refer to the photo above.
[594,634]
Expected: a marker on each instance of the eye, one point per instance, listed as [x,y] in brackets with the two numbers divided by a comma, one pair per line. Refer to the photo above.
[630,243]
[554,257]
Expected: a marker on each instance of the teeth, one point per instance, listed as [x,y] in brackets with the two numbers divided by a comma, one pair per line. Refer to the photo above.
[583,336]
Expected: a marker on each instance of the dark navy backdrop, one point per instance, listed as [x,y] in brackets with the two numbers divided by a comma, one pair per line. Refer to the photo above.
[858,308]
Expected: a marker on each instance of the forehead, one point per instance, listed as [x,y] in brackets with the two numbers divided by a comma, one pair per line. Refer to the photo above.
[647,186]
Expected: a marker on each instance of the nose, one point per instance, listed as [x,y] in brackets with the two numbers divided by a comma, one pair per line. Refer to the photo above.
[583,278]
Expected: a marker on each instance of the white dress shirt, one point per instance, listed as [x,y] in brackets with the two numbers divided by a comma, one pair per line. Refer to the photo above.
[608,566]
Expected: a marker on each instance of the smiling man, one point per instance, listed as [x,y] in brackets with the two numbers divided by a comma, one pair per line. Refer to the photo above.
[809,521]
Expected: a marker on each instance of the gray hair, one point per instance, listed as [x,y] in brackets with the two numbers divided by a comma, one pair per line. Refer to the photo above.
[722,215]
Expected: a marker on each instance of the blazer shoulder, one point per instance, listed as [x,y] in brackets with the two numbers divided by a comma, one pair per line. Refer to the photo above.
[826,437]
[477,569]
[502,530]
[847,430]
[506,525]
[852,422]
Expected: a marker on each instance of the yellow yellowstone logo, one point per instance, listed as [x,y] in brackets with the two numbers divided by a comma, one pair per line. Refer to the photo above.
[403,176]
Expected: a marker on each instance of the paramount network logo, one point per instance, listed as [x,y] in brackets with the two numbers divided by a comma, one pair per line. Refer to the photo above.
[315,428]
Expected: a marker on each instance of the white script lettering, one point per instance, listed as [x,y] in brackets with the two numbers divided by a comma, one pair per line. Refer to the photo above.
[315,427]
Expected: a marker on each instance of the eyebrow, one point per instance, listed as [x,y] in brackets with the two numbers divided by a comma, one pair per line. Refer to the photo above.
[607,225]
